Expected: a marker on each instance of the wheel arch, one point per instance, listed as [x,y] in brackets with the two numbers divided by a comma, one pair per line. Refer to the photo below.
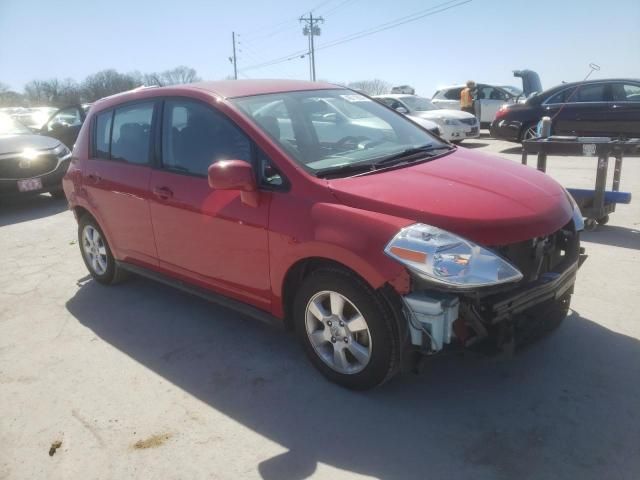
[297,272]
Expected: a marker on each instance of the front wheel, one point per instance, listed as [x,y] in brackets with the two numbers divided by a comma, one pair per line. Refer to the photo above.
[346,329]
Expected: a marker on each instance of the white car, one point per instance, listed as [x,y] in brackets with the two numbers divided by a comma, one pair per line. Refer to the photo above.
[490,98]
[454,125]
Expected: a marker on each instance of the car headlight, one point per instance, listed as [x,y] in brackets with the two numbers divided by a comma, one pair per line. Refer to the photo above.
[62,152]
[447,259]
[578,220]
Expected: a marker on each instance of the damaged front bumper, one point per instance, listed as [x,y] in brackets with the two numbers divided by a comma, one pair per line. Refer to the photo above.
[438,319]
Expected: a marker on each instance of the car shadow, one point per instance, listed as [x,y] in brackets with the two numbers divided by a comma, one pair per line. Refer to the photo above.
[470,144]
[564,408]
[23,209]
[613,235]
[516,149]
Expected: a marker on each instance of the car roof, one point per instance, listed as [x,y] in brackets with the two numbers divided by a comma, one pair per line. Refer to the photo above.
[225,88]
[590,82]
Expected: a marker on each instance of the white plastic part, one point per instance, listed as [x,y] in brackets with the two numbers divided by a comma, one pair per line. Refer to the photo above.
[434,315]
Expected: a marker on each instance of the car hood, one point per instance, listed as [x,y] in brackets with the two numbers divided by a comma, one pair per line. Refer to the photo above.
[489,200]
[17,143]
[425,123]
[442,113]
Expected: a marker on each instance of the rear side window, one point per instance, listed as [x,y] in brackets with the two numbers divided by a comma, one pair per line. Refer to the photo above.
[131,135]
[194,136]
[453,94]
[102,135]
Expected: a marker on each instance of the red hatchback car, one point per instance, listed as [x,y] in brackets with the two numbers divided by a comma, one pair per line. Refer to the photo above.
[312,204]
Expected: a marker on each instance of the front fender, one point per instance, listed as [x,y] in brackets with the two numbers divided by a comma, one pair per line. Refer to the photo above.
[352,237]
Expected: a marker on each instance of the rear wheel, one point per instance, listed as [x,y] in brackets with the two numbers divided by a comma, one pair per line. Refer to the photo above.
[529,132]
[346,329]
[96,253]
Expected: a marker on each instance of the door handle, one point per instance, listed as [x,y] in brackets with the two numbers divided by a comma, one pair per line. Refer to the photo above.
[93,178]
[163,192]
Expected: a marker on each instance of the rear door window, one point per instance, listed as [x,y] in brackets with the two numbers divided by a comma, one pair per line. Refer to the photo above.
[131,135]
[622,92]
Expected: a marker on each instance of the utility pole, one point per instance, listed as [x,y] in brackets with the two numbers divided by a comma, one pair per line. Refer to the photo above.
[234,59]
[311,29]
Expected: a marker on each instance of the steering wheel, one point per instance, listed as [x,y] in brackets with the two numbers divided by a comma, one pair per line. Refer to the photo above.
[350,139]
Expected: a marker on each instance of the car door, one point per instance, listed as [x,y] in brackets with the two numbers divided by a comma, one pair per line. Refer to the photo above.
[490,99]
[116,179]
[624,109]
[585,112]
[206,236]
[65,125]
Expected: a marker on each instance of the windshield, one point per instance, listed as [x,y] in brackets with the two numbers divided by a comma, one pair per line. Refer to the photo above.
[323,129]
[418,104]
[515,91]
[9,126]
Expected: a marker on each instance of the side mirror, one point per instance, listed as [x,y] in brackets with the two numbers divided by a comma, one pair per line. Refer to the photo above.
[235,175]
[402,110]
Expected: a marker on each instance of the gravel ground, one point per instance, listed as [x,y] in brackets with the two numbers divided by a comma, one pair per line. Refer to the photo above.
[142,381]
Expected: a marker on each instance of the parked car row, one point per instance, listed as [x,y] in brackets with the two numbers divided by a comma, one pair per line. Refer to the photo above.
[312,205]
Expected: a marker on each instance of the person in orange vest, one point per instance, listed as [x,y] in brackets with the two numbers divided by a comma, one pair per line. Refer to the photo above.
[466,98]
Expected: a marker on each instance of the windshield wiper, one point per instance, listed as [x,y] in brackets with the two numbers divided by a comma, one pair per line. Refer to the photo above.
[345,168]
[409,152]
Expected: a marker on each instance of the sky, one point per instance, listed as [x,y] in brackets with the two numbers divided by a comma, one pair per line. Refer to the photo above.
[483,40]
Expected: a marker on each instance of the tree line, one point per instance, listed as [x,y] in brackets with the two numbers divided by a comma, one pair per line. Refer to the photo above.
[60,92]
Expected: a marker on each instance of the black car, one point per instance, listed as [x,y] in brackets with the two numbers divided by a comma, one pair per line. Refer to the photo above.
[30,163]
[602,108]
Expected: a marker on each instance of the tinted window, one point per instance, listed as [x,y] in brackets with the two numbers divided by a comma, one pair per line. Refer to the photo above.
[131,133]
[590,93]
[194,136]
[561,96]
[626,92]
[102,135]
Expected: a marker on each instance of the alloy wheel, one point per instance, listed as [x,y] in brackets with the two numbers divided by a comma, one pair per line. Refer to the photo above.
[94,249]
[530,132]
[338,332]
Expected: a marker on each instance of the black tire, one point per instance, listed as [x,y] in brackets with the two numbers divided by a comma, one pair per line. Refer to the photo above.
[384,359]
[58,194]
[603,220]
[112,273]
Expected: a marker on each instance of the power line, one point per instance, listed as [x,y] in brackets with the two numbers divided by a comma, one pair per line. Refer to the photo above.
[369,31]
[337,7]
[396,23]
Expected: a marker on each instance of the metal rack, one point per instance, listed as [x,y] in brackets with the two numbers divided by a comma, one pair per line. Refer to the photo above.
[596,204]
